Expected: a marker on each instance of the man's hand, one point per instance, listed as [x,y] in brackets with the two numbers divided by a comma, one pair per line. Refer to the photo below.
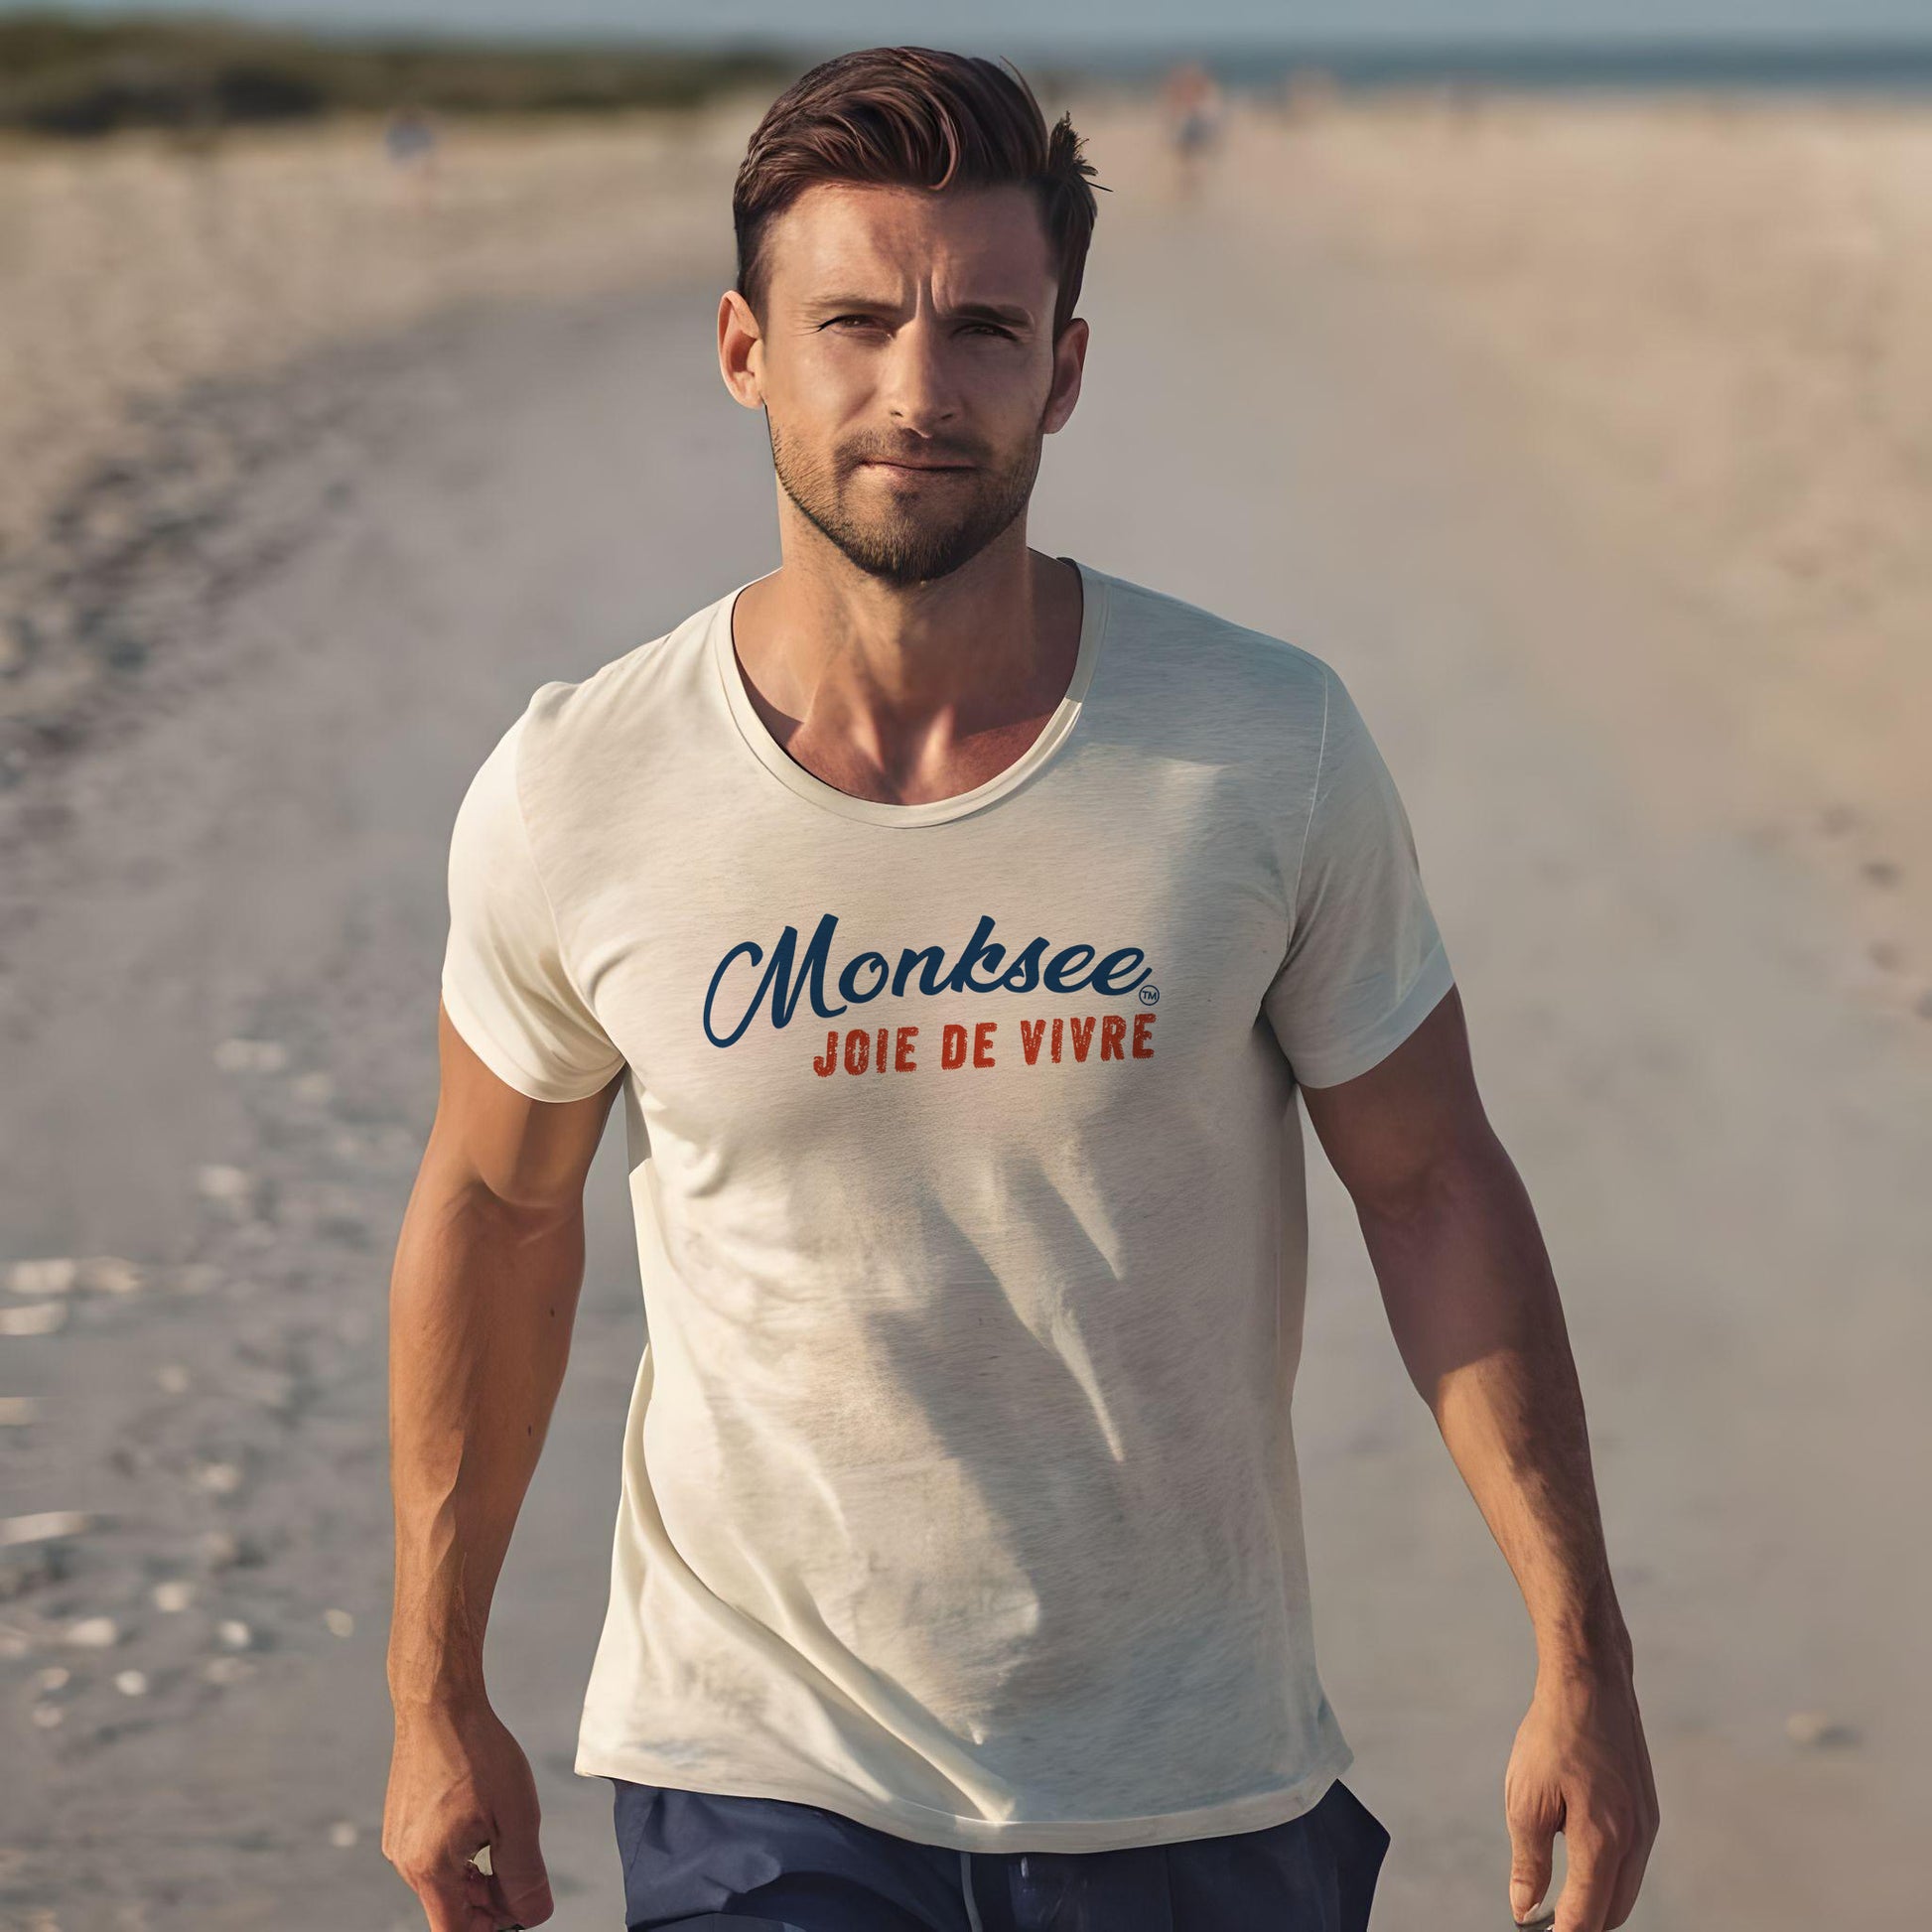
[458,1781]
[1473,1305]
[488,1264]
[1581,1767]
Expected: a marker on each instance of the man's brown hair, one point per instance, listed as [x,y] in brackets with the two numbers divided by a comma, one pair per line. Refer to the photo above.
[914,117]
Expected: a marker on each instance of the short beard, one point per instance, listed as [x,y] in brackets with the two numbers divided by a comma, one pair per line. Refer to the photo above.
[905,549]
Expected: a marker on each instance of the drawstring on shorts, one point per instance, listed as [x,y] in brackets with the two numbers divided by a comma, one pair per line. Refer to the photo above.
[966,1887]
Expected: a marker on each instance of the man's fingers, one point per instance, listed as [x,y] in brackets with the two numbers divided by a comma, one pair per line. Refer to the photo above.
[520,1879]
[489,1910]
[1623,1899]
[1588,1882]
[458,1896]
[1529,1865]
[446,1899]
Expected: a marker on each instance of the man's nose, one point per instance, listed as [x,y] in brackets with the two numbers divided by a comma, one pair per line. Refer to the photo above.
[919,392]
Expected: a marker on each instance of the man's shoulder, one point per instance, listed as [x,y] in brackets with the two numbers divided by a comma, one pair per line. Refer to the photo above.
[1198,656]
[610,713]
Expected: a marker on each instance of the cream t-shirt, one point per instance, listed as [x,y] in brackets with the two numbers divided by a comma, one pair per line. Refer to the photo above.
[959,1491]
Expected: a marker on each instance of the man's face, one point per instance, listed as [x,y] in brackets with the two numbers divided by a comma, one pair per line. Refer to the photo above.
[908,369]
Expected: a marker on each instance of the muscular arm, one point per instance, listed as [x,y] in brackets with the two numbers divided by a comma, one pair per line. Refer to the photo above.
[488,1264]
[1475,1312]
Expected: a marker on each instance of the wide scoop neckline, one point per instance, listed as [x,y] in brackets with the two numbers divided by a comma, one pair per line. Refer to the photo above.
[932,811]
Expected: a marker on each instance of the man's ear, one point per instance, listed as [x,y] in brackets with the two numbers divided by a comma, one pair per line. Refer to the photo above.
[1070,364]
[741,349]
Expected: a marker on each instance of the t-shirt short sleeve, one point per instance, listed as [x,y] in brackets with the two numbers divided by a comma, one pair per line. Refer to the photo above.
[1365,964]
[505,985]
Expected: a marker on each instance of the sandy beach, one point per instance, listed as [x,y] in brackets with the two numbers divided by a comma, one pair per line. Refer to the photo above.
[1588,440]
[149,289]
[1706,320]
[139,265]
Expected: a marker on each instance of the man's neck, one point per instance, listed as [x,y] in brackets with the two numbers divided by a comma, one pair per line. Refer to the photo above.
[902,696]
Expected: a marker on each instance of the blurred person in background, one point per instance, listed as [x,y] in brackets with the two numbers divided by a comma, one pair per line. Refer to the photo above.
[1194,109]
[409,140]
[958,924]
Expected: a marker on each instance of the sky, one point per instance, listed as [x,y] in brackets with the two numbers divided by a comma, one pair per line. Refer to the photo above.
[1096,23]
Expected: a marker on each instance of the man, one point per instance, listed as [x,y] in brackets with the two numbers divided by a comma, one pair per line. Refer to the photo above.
[958,924]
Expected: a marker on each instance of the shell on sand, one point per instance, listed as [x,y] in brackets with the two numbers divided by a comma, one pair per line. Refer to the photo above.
[251,1056]
[33,1318]
[62,1274]
[44,1275]
[43,1526]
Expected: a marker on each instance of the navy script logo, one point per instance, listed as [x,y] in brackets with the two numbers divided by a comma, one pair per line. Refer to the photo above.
[789,973]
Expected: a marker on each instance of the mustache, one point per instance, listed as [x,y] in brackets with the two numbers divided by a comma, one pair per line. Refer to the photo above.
[925,452]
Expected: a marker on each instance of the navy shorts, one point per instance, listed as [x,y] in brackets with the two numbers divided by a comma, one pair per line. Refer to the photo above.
[703,1863]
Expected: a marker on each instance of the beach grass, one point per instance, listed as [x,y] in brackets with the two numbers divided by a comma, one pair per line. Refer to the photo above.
[66,77]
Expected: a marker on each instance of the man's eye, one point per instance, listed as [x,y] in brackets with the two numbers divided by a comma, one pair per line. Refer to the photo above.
[971,328]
